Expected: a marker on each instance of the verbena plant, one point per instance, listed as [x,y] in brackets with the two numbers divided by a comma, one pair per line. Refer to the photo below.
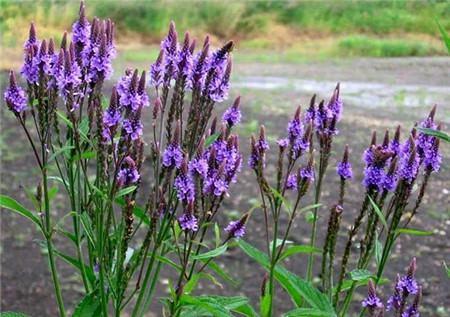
[94,150]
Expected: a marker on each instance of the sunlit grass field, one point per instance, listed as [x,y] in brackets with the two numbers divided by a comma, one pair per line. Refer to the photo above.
[265,31]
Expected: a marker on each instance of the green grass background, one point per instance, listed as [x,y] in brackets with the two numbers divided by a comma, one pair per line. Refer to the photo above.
[297,28]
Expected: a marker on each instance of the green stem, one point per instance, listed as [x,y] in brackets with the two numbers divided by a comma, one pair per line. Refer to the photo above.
[347,300]
[51,256]
[314,227]
[76,229]
[272,269]
[55,278]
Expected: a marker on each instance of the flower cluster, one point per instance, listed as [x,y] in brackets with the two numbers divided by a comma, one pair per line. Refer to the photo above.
[82,63]
[344,168]
[257,159]
[405,285]
[128,173]
[392,161]
[207,73]
[15,97]
[377,159]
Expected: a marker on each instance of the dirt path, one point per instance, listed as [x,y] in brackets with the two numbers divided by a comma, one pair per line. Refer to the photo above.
[378,93]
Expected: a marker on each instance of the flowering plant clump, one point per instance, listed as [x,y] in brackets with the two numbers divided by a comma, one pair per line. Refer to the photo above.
[98,152]
[124,233]
[392,169]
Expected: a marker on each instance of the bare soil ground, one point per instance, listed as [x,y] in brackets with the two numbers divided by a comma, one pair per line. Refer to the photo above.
[26,284]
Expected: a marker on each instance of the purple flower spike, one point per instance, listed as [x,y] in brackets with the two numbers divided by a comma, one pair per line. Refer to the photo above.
[184,185]
[307,173]
[321,117]
[156,71]
[236,229]
[407,283]
[220,84]
[394,145]
[295,127]
[424,141]
[395,300]
[259,149]
[292,181]
[344,168]
[173,155]
[197,77]
[81,29]
[232,115]
[100,66]
[187,221]
[128,173]
[311,111]
[283,143]
[30,67]
[32,38]
[413,310]
[185,58]
[67,74]
[433,158]
[335,104]
[131,91]
[15,96]
[133,127]
[170,47]
[409,162]
[111,117]
[372,301]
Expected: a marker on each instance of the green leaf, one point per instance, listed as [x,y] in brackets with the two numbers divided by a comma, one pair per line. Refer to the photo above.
[217,234]
[280,241]
[447,269]
[295,249]
[60,180]
[67,234]
[379,213]
[246,310]
[85,155]
[89,306]
[213,266]
[207,303]
[306,312]
[76,264]
[211,278]
[190,286]
[313,206]
[211,139]
[414,232]
[60,151]
[378,250]
[360,274]
[211,254]
[11,204]
[347,284]
[265,301]
[278,195]
[69,124]
[222,305]
[169,262]
[12,314]
[439,134]
[296,287]
[31,194]
[86,222]
[444,35]
[126,191]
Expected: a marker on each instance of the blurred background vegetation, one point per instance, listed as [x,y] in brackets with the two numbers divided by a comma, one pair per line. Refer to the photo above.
[264,30]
